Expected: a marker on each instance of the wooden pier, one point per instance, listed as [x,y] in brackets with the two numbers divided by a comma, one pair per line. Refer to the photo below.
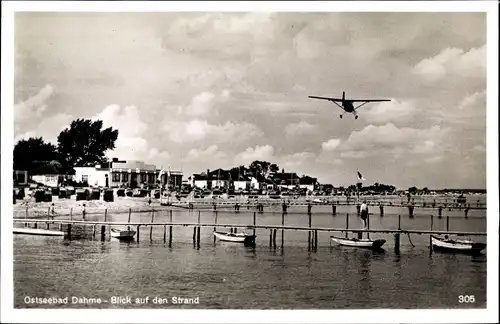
[66,225]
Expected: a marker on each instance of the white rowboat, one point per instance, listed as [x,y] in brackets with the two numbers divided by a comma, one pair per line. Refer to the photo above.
[463,246]
[363,243]
[235,237]
[122,234]
[37,231]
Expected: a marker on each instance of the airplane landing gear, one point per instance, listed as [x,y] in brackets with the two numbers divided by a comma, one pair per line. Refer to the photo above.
[355,117]
[340,116]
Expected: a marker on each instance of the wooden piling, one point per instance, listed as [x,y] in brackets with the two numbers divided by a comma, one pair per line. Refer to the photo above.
[194,235]
[448,223]
[399,222]
[103,229]
[35,225]
[254,223]
[381,210]
[69,231]
[466,212]
[270,237]
[93,231]
[198,235]
[334,210]
[60,226]
[368,225]
[274,237]
[396,243]
[315,240]
[311,243]
[164,233]
[215,222]
[71,214]
[151,229]
[346,224]
[440,212]
[432,225]
[138,226]
[282,231]
[309,232]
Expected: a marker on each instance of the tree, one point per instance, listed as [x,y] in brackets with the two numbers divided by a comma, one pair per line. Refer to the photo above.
[30,154]
[84,143]
[412,190]
[274,168]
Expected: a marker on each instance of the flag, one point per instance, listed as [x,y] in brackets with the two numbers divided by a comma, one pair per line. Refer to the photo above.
[360,177]
[160,174]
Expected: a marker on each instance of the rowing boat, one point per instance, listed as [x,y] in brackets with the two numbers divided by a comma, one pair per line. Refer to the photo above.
[37,231]
[235,237]
[462,246]
[122,234]
[362,243]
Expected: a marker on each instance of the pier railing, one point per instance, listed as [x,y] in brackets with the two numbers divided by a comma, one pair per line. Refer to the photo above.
[312,230]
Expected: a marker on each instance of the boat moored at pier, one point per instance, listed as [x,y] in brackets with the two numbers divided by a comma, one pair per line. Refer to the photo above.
[37,231]
[355,242]
[459,246]
[235,237]
[122,234]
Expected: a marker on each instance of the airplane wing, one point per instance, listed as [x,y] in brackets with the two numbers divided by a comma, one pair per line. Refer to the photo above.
[368,100]
[325,98]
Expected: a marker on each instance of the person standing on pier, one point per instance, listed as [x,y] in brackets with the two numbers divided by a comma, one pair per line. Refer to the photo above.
[364,213]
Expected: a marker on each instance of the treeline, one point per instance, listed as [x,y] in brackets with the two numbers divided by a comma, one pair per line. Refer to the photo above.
[83,143]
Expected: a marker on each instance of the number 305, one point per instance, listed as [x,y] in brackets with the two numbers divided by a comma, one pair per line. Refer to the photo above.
[469,299]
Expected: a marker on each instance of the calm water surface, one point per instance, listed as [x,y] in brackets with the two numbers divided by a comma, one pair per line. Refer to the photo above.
[226,275]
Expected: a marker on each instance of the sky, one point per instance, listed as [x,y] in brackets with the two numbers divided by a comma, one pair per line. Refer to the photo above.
[202,90]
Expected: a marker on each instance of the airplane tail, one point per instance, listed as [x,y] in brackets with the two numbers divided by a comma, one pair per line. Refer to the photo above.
[343,95]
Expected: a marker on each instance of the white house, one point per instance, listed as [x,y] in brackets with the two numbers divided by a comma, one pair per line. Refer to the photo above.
[125,173]
[242,184]
[49,180]
[254,184]
[199,180]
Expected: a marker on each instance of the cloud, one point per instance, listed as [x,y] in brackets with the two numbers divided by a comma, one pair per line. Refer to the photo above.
[204,104]
[242,80]
[212,158]
[428,146]
[453,62]
[433,159]
[476,102]
[391,141]
[480,148]
[262,153]
[220,35]
[391,111]
[197,130]
[300,128]
[132,133]
[34,106]
[35,118]
[331,144]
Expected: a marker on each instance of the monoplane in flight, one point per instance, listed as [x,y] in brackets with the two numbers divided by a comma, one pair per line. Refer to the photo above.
[347,105]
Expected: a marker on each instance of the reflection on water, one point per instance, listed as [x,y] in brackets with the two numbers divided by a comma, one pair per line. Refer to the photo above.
[227,275]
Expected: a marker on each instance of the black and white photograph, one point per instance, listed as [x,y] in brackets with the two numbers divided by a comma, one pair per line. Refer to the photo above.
[211,161]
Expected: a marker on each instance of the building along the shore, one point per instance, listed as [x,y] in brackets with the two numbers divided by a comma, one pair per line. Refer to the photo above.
[132,174]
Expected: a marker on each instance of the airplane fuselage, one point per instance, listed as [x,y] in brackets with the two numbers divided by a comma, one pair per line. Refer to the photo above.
[348,106]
